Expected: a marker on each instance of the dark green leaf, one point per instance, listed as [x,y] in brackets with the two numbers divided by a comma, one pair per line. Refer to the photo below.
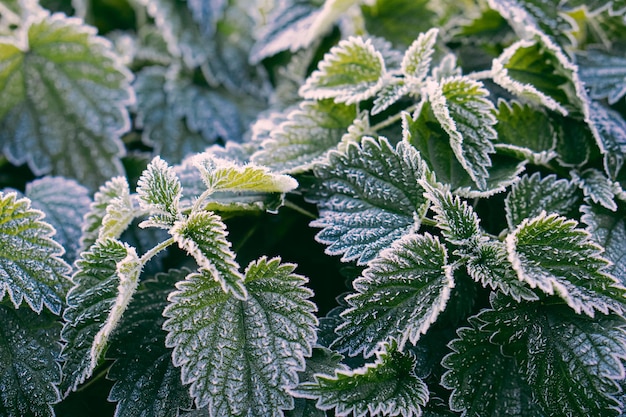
[608,229]
[604,74]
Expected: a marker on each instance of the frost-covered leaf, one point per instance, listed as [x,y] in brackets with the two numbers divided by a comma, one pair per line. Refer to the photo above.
[159,192]
[485,382]
[388,386]
[203,236]
[417,58]
[461,107]
[207,13]
[305,137]
[30,366]
[608,229]
[65,203]
[611,128]
[329,14]
[240,356]
[31,268]
[398,296]
[551,253]
[533,194]
[570,361]
[393,89]
[596,186]
[368,196]
[62,100]
[110,213]
[526,132]
[351,72]
[574,141]
[105,280]
[489,265]
[147,383]
[604,74]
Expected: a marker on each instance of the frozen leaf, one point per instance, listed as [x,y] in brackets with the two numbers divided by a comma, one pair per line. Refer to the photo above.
[30,362]
[329,14]
[608,229]
[207,13]
[368,196]
[603,74]
[597,187]
[31,268]
[159,192]
[305,137]
[110,213]
[146,381]
[416,61]
[388,386]
[104,282]
[461,107]
[63,97]
[65,203]
[551,253]
[533,194]
[611,129]
[351,72]
[393,89]
[399,296]
[203,236]
[574,141]
[240,356]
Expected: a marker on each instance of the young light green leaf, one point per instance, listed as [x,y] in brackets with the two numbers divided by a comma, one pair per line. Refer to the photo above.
[604,74]
[351,72]
[388,386]
[203,236]
[105,280]
[30,362]
[146,381]
[596,186]
[551,253]
[368,196]
[533,194]
[611,128]
[461,107]
[608,229]
[63,97]
[159,192]
[240,356]
[65,203]
[398,296]
[416,61]
[31,268]
[305,137]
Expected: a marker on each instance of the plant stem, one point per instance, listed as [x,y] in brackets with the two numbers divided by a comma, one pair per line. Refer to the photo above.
[299,209]
[392,119]
[480,75]
[158,248]
[93,380]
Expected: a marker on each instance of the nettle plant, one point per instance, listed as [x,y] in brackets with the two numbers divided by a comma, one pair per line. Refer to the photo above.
[465,160]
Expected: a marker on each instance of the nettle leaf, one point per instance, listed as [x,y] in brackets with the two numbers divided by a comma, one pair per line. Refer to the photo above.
[240,356]
[207,14]
[65,203]
[31,268]
[533,194]
[417,58]
[351,72]
[63,98]
[574,141]
[146,381]
[110,213]
[30,362]
[526,132]
[461,107]
[597,187]
[368,196]
[611,128]
[159,192]
[604,74]
[608,229]
[203,236]
[305,137]
[388,386]
[393,89]
[105,279]
[551,253]
[398,296]
[570,361]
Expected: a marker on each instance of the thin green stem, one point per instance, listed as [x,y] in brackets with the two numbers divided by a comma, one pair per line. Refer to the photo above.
[155,250]
[93,380]
[244,239]
[299,209]
[429,222]
[480,75]
[392,119]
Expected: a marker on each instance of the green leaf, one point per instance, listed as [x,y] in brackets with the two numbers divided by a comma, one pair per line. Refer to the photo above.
[329,14]
[533,194]
[574,141]
[159,192]
[611,128]
[393,89]
[351,72]
[203,236]
[398,296]
[461,107]
[65,203]
[146,381]
[207,14]
[305,137]
[551,253]
[31,268]
[416,61]
[240,355]
[608,229]
[368,196]
[63,97]
[30,362]
[596,186]
[604,74]
[386,387]
[105,280]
